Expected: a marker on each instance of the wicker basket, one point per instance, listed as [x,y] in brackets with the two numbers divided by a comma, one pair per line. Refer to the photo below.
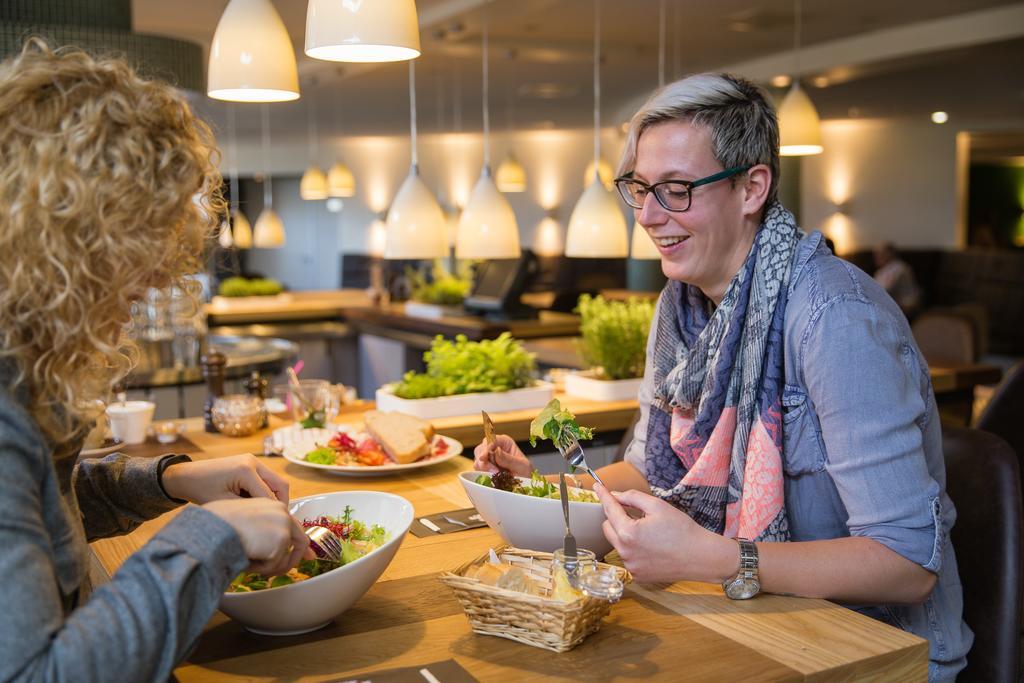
[535,620]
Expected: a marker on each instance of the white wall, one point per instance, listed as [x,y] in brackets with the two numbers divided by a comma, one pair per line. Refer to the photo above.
[450,165]
[894,181]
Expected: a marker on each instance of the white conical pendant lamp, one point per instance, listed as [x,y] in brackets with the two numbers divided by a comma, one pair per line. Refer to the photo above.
[415,226]
[597,228]
[340,181]
[224,238]
[241,230]
[641,246]
[510,176]
[313,184]
[487,228]
[251,57]
[799,125]
[268,232]
[362,30]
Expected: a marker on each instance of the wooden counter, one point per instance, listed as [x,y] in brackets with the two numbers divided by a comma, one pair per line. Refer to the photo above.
[386,320]
[680,631]
[316,305]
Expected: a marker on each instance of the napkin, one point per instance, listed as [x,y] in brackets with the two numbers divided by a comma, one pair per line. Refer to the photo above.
[468,516]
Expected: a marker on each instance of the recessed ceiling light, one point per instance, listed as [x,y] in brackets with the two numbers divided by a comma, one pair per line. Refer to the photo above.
[939,117]
[781,81]
[820,82]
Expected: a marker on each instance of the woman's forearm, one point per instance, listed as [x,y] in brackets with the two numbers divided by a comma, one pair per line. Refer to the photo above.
[619,476]
[853,570]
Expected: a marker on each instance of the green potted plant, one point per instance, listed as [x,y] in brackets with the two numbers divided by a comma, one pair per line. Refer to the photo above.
[441,293]
[613,346]
[464,377]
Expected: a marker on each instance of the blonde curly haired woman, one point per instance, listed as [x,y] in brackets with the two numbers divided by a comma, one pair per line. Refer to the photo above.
[107,187]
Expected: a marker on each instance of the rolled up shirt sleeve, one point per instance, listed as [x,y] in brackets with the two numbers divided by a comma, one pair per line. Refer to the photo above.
[864,379]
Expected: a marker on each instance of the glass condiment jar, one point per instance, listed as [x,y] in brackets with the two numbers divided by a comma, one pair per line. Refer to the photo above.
[238,414]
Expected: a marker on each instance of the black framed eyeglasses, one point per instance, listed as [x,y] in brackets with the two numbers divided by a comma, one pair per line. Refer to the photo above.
[673,195]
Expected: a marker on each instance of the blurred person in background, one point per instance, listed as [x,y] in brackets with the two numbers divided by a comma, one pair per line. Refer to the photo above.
[109,187]
[896,278]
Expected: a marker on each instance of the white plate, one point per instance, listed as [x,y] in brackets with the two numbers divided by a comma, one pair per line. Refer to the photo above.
[296,452]
[108,446]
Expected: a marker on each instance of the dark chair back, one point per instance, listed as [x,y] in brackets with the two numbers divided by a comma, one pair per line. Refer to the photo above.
[1004,414]
[983,480]
[945,338]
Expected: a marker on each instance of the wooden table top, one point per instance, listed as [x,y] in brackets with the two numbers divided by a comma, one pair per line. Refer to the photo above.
[408,618]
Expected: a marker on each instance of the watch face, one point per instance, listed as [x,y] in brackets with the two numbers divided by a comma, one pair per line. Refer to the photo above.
[743,589]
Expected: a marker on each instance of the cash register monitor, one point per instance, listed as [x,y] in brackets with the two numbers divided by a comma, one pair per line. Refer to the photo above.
[500,283]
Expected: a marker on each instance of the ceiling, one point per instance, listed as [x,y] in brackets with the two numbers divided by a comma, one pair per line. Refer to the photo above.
[541,61]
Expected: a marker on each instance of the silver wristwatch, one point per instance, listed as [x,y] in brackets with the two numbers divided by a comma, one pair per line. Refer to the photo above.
[746,583]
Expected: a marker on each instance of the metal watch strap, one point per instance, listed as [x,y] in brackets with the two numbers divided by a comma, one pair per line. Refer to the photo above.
[747,576]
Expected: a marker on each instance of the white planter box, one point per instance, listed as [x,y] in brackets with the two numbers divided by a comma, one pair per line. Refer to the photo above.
[536,396]
[584,385]
[418,309]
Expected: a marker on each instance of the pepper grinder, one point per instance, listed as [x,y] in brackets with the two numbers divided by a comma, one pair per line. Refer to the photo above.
[213,365]
[256,386]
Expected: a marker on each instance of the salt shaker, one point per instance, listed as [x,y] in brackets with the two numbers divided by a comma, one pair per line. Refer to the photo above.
[213,365]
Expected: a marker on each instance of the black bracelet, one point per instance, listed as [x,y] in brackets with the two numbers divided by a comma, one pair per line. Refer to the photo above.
[164,463]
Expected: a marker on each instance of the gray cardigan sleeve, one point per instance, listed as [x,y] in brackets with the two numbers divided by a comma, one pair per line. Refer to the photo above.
[138,626]
[117,493]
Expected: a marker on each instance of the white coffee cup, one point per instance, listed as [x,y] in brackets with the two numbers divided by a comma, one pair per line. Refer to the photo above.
[129,421]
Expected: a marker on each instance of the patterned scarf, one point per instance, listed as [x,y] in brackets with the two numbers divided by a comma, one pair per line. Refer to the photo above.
[714,437]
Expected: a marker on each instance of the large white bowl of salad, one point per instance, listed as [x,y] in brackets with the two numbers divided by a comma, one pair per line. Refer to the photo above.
[530,515]
[371,525]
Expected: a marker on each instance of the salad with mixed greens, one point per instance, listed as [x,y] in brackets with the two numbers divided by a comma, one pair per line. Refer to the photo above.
[538,486]
[557,425]
[357,539]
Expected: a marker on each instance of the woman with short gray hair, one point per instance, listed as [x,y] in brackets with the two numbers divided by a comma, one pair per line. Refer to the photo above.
[789,439]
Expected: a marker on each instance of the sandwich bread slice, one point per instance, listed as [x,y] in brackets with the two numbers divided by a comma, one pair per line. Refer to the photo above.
[403,437]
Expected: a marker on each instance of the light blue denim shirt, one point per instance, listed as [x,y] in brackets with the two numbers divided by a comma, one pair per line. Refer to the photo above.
[862,440]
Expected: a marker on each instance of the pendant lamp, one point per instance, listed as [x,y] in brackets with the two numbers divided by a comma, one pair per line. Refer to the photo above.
[604,172]
[487,227]
[415,224]
[510,176]
[251,57]
[313,185]
[340,181]
[241,230]
[362,30]
[269,230]
[641,246]
[799,125]
[596,227]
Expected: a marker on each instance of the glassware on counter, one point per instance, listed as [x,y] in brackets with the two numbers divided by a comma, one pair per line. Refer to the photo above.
[238,414]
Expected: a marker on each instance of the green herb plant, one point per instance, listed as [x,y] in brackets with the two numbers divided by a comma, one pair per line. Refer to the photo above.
[240,286]
[614,335]
[442,288]
[465,367]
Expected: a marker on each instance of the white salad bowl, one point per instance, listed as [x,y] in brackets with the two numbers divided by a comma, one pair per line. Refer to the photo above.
[536,523]
[310,604]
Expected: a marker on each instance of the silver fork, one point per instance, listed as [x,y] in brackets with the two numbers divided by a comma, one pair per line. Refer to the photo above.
[570,556]
[325,543]
[573,454]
